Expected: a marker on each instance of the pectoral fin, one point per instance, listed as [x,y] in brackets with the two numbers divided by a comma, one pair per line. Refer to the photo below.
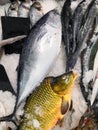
[64,106]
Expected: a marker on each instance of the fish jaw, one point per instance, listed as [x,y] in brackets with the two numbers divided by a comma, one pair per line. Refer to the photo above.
[44,49]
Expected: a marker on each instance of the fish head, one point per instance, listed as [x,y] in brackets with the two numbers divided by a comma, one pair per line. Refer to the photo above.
[54,19]
[14,5]
[37,5]
[63,84]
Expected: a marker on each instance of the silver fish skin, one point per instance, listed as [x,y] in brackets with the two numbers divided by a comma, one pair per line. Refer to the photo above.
[13,9]
[39,53]
[40,8]
[35,13]
[76,28]
[24,7]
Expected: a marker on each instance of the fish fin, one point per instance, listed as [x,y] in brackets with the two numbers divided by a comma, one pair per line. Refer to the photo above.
[64,106]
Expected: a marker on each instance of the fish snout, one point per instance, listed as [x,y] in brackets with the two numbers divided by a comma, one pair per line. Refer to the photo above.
[73,74]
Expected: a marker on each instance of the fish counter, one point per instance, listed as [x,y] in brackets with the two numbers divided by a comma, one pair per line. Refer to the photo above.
[49,65]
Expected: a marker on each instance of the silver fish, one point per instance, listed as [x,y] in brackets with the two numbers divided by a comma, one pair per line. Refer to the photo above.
[36,13]
[13,9]
[38,55]
[90,65]
[39,52]
[24,7]
[76,27]
[40,8]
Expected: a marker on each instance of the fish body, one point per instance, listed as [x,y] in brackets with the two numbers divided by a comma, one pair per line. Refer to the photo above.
[89,61]
[35,13]
[24,7]
[76,27]
[40,8]
[39,52]
[13,9]
[48,103]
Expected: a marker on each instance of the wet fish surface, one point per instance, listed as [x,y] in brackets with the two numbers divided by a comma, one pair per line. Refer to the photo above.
[76,27]
[35,13]
[13,9]
[39,52]
[48,103]
[38,55]
[24,7]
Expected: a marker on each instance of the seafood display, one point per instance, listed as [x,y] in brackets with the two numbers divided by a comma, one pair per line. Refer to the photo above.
[48,99]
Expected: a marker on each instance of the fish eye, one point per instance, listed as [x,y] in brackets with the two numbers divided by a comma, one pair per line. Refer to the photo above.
[64,77]
[67,80]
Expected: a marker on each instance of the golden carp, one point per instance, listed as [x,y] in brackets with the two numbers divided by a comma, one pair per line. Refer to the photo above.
[48,103]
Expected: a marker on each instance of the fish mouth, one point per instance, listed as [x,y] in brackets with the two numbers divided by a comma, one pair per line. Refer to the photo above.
[75,75]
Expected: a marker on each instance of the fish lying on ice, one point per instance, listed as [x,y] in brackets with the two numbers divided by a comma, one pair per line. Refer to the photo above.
[24,7]
[89,61]
[76,27]
[48,103]
[40,8]
[13,9]
[39,52]
[36,13]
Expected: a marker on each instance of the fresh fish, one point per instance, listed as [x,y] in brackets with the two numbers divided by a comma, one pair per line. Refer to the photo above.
[24,7]
[13,9]
[39,52]
[42,43]
[90,66]
[75,29]
[41,7]
[48,103]
[36,13]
